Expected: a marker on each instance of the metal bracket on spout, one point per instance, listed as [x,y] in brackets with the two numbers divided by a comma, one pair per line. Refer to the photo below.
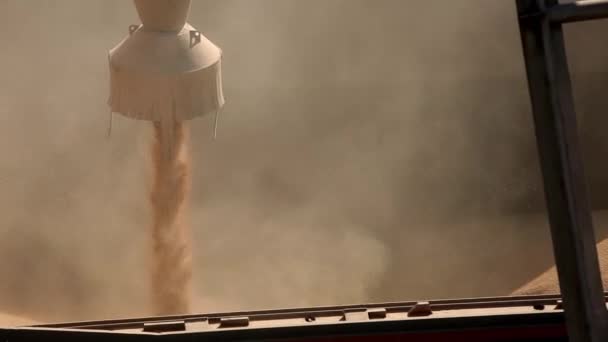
[133,28]
[195,37]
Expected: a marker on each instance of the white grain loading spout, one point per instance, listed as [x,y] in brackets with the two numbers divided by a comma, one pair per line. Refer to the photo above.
[165,67]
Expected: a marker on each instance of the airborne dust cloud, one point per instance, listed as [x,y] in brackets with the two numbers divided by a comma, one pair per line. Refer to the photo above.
[368,151]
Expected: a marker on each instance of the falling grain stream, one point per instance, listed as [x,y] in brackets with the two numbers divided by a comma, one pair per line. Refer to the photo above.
[171,256]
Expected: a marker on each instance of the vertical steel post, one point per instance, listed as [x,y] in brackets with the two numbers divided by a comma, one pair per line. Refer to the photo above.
[562,169]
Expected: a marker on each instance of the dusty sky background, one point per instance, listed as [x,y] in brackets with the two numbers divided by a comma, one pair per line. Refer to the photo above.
[369,151]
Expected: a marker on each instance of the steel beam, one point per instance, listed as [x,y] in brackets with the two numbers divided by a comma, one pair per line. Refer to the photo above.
[578,11]
[562,168]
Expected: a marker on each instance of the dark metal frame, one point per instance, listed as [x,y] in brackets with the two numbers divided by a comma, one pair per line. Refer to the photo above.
[540,23]
[540,320]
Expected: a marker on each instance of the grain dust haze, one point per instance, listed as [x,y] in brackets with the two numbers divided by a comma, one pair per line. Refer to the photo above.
[369,151]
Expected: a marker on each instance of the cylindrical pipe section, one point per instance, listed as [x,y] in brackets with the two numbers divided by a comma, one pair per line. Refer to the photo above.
[163,15]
